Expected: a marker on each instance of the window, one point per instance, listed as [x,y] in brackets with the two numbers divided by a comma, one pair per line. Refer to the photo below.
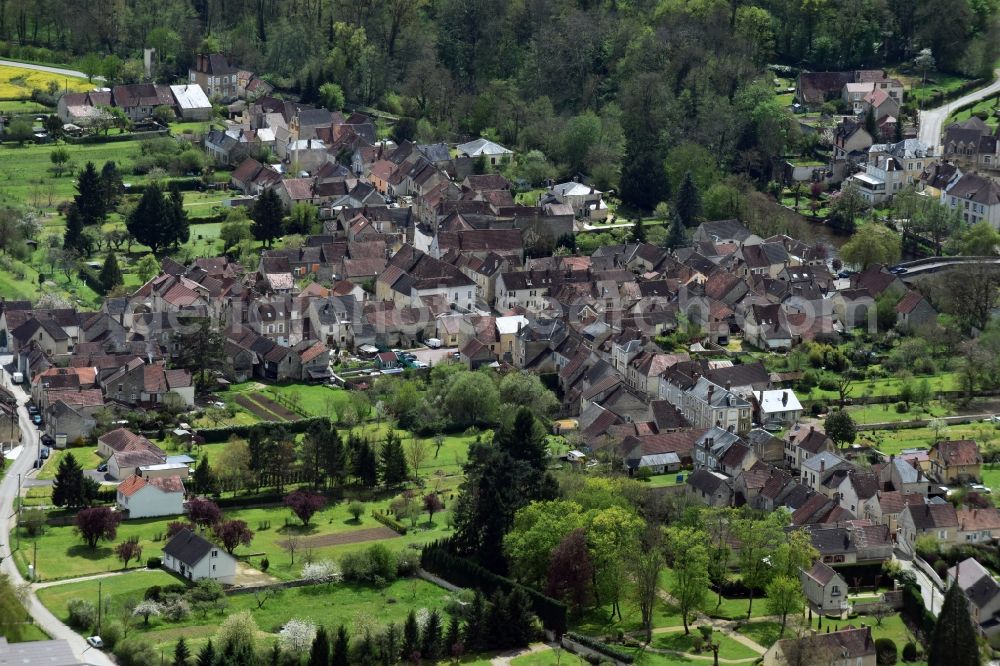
[835,591]
[215,553]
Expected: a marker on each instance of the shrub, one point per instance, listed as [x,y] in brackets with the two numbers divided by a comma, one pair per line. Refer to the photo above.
[153,592]
[644,474]
[407,563]
[82,614]
[264,564]
[154,563]
[828,384]
[902,407]
[376,565]
[177,609]
[598,646]
[910,652]
[356,508]
[111,633]
[389,522]
[136,652]
[885,650]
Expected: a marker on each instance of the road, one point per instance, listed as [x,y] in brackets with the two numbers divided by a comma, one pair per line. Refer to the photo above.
[933,597]
[8,490]
[46,68]
[932,120]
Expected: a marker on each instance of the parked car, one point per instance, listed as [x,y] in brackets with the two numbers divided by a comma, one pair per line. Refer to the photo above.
[844,274]
[44,453]
[898,270]
[103,467]
[95,641]
[32,409]
[37,419]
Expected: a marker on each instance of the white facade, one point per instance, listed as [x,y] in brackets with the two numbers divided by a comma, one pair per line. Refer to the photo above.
[151,502]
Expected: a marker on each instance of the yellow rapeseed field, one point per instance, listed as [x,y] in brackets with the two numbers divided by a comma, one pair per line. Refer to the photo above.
[18,82]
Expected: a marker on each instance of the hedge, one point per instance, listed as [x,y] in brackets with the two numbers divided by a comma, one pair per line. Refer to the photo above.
[182,184]
[599,646]
[465,573]
[223,433]
[114,138]
[389,522]
[913,608]
[939,98]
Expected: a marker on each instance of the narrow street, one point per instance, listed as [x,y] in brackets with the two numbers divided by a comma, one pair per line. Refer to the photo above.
[931,121]
[16,471]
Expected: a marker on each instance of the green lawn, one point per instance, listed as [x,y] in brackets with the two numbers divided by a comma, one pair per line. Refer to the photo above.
[886,412]
[681,642]
[942,381]
[987,106]
[85,456]
[917,90]
[762,632]
[61,553]
[894,441]
[38,496]
[330,605]
[23,106]
[735,609]
[668,480]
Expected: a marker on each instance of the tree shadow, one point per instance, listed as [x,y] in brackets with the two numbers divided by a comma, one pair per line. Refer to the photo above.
[353,521]
[298,529]
[88,553]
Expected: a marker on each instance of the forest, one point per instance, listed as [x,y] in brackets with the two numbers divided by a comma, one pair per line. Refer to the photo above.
[617,90]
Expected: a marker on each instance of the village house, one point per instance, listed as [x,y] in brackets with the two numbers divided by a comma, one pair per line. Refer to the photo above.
[970,143]
[802,443]
[936,520]
[982,593]
[955,462]
[711,488]
[825,590]
[151,497]
[976,197]
[977,525]
[214,74]
[194,558]
[139,100]
[847,646]
[779,406]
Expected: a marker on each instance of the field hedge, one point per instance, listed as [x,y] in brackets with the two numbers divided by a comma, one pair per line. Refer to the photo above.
[436,559]
[599,646]
[223,433]
[389,522]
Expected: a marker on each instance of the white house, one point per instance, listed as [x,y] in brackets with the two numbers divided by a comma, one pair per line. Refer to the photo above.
[194,558]
[977,197]
[192,102]
[778,406]
[145,497]
[486,149]
[891,168]
[825,589]
[586,201]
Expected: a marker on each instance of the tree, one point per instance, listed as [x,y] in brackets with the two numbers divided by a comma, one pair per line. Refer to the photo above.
[233,233]
[758,539]
[111,275]
[203,512]
[784,597]
[319,653]
[164,115]
[846,208]
[924,62]
[356,508]
[638,231]
[178,230]
[232,533]
[182,655]
[304,504]
[68,488]
[432,504]
[145,609]
[147,267]
[364,464]
[871,125]
[613,535]
[201,348]
[840,427]
[206,655]
[416,454]
[302,219]
[237,634]
[645,569]
[59,158]
[571,572]
[955,642]
[89,197]
[204,480]
[981,239]
[523,438]
[689,560]
[431,640]
[19,130]
[331,96]
[411,636]
[128,550]
[297,636]
[112,187]
[393,461]
[872,244]
[74,239]
[676,236]
[538,529]
[97,523]
[267,215]
[688,201]
[150,220]
[341,647]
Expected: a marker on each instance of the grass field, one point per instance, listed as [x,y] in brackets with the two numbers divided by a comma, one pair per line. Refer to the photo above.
[917,90]
[330,605]
[681,642]
[331,533]
[987,106]
[23,106]
[894,441]
[85,456]
[943,381]
[762,632]
[886,412]
[18,82]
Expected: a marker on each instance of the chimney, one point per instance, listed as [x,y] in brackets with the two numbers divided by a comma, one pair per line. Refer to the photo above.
[784,398]
[812,428]
[822,466]
[729,385]
[711,389]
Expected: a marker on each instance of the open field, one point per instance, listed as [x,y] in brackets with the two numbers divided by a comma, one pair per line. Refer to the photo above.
[331,533]
[917,90]
[681,642]
[329,604]
[85,456]
[894,441]
[987,106]
[942,381]
[18,82]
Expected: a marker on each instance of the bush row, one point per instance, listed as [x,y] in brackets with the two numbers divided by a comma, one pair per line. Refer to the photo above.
[389,522]
[182,184]
[111,138]
[223,433]
[598,646]
[465,573]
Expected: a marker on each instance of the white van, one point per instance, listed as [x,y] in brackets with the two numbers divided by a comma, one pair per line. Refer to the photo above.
[433,343]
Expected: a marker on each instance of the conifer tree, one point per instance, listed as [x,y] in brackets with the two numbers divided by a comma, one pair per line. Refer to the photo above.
[394,468]
[268,217]
[411,636]
[149,220]
[955,642]
[181,653]
[111,275]
[89,197]
[112,186]
[341,646]
[430,641]
[206,656]
[688,204]
[638,231]
[178,230]
[74,238]
[366,464]
[675,233]
[319,654]
[68,487]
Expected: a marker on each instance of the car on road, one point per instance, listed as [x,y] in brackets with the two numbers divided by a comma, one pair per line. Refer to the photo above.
[37,419]
[899,270]
[844,274]
[95,641]
[32,410]
[48,440]
[980,488]
[44,453]
[103,467]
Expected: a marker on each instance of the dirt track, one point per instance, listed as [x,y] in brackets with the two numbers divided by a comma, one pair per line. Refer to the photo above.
[357,536]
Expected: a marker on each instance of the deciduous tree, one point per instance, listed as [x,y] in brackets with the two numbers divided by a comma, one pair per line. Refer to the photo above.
[689,561]
[304,504]
[232,533]
[128,550]
[97,523]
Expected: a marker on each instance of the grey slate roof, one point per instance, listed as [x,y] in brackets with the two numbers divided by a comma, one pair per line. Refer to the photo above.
[188,547]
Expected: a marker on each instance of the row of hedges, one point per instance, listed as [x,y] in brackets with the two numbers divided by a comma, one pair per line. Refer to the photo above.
[113,138]
[598,646]
[223,433]
[182,184]
[390,522]
[465,573]
[939,98]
